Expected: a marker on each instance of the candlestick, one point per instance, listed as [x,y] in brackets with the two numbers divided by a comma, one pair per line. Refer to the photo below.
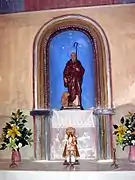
[114,164]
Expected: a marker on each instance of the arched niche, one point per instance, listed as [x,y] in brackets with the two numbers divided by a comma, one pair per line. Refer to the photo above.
[103,95]
[60,48]
[102,69]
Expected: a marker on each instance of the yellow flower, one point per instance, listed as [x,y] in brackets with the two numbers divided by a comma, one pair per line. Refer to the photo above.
[121,130]
[14,131]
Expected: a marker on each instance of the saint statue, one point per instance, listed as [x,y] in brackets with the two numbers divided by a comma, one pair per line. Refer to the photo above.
[73,76]
[70,152]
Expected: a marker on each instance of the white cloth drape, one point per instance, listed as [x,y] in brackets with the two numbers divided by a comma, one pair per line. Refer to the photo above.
[74,118]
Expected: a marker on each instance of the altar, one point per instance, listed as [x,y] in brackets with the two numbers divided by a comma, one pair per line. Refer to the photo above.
[49,132]
[85,124]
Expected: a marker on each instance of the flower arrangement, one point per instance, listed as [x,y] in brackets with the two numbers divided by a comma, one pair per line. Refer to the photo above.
[15,134]
[125,131]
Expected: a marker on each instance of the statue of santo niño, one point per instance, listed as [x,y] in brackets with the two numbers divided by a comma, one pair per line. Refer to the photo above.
[70,152]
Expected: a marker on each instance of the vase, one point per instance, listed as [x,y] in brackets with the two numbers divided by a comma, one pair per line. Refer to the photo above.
[131,156]
[15,158]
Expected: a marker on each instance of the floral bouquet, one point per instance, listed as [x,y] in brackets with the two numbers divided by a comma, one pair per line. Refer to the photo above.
[15,134]
[125,131]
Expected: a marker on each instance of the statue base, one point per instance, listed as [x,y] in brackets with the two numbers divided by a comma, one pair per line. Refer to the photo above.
[70,163]
[72,108]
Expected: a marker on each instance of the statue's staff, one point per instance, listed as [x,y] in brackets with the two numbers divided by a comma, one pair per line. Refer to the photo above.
[76,45]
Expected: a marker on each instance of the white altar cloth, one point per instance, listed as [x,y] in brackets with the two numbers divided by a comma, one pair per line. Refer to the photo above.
[74,118]
[84,121]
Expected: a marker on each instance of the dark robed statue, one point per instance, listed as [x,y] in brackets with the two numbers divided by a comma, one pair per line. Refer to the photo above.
[73,76]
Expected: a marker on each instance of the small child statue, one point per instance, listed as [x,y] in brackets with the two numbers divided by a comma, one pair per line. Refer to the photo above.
[70,152]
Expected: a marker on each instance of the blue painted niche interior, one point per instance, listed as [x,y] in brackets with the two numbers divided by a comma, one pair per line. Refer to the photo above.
[60,49]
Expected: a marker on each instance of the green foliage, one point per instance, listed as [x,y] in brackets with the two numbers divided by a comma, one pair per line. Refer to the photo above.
[15,133]
[125,131]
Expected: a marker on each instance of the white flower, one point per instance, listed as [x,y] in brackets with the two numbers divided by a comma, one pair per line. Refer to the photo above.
[133,142]
[19,145]
[128,131]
